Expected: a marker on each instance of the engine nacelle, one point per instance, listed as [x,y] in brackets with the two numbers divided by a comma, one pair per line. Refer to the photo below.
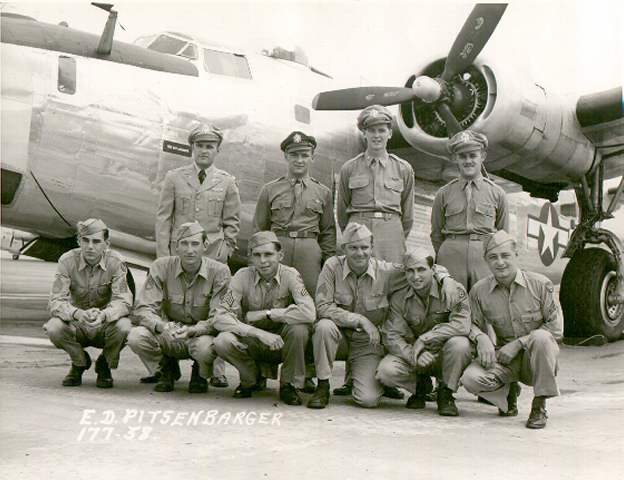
[532,132]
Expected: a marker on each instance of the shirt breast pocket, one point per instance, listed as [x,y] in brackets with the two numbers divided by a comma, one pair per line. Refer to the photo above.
[484,216]
[393,190]
[376,302]
[344,300]
[314,207]
[361,190]
[214,202]
[455,216]
[281,209]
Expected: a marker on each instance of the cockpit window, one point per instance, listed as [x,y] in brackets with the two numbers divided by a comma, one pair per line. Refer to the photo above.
[224,63]
[189,52]
[167,44]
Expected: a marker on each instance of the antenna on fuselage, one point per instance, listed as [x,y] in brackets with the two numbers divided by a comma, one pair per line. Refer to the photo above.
[105,46]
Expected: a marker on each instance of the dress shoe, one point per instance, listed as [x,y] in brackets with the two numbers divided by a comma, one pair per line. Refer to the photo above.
[446,402]
[198,384]
[393,392]
[219,381]
[74,377]
[167,379]
[288,394]
[512,401]
[151,378]
[344,391]
[104,378]
[424,387]
[243,392]
[415,402]
[320,399]
[538,417]
[309,386]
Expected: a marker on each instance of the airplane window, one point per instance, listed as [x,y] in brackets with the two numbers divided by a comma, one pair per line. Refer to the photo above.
[66,82]
[167,44]
[224,63]
[189,52]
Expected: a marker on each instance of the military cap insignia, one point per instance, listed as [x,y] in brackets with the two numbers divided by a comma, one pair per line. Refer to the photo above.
[297,138]
[373,113]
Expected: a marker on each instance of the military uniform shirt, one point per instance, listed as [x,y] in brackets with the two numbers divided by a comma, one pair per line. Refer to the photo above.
[215,204]
[450,213]
[167,296]
[341,293]
[284,294]
[278,210]
[433,321]
[513,314]
[77,285]
[376,185]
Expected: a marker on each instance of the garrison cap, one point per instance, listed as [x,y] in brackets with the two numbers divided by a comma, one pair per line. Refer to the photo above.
[354,232]
[91,226]
[297,141]
[262,238]
[373,115]
[466,140]
[496,240]
[188,229]
[413,256]
[205,132]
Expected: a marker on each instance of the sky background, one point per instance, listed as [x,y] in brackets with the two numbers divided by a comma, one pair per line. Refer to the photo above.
[573,46]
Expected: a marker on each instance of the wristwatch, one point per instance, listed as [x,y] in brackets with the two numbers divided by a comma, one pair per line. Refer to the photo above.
[268,313]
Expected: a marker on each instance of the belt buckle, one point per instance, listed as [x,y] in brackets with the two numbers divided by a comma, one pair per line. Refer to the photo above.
[378,214]
[293,234]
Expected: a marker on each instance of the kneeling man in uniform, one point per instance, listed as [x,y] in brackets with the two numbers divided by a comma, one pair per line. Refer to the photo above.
[516,324]
[265,317]
[426,333]
[175,309]
[89,304]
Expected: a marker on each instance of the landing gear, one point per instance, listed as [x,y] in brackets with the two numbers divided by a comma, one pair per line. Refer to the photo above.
[592,286]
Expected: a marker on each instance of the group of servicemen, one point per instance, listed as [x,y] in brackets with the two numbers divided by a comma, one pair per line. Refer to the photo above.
[396,317]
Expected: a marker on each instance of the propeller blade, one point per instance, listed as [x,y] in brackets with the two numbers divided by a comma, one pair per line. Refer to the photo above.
[452,125]
[104,6]
[473,36]
[361,97]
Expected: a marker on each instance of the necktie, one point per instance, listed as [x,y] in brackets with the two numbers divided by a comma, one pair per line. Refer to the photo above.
[298,191]
[469,206]
[202,176]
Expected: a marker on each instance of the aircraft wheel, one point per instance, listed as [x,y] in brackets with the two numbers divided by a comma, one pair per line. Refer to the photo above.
[15,256]
[587,282]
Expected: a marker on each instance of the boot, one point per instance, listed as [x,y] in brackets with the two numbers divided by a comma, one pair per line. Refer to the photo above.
[320,399]
[104,377]
[538,417]
[423,387]
[393,392]
[219,382]
[198,384]
[288,394]
[154,378]
[343,391]
[446,402]
[512,401]
[74,377]
[309,386]
[167,373]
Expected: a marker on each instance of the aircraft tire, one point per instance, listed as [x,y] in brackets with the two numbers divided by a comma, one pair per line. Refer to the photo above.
[587,281]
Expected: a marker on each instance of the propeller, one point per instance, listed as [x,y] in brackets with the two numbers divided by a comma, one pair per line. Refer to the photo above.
[440,92]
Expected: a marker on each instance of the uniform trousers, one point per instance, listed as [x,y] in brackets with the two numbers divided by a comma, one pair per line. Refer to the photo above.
[74,336]
[151,347]
[448,367]
[463,258]
[536,366]
[246,352]
[304,254]
[332,343]
[388,236]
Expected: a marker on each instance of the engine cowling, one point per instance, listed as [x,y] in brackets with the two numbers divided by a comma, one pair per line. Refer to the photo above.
[534,134]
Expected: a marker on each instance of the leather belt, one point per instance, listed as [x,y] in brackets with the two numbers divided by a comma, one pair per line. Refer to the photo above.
[295,234]
[475,237]
[384,215]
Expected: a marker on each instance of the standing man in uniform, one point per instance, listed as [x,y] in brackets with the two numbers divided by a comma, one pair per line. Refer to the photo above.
[519,309]
[175,310]
[466,210]
[376,189]
[200,192]
[266,317]
[426,333]
[299,209]
[89,304]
